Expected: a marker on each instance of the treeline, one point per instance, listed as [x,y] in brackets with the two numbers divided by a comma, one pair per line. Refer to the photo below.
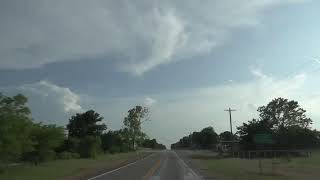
[282,124]
[207,138]
[85,136]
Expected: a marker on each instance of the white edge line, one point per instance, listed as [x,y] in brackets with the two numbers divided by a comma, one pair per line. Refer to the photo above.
[194,174]
[127,165]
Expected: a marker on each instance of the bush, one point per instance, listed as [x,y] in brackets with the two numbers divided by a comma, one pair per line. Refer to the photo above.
[90,147]
[125,149]
[2,170]
[68,155]
[48,155]
[115,149]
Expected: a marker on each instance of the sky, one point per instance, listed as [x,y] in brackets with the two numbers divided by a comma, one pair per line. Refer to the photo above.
[187,61]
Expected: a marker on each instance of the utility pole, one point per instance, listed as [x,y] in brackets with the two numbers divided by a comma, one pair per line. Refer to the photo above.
[230,110]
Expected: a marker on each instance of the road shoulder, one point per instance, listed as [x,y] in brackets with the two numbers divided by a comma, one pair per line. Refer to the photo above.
[101,168]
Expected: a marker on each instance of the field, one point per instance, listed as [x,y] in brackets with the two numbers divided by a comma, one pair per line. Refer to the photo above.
[69,169]
[272,169]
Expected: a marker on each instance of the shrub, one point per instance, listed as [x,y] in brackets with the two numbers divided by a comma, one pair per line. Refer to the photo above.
[90,147]
[115,149]
[125,149]
[2,170]
[68,155]
[47,155]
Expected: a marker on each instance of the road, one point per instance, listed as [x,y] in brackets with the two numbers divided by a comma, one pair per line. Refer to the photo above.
[162,165]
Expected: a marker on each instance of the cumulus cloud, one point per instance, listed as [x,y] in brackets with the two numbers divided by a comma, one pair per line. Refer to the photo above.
[141,34]
[148,101]
[176,113]
[64,96]
[186,111]
[48,102]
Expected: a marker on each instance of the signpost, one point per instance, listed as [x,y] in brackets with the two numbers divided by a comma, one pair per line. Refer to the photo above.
[262,139]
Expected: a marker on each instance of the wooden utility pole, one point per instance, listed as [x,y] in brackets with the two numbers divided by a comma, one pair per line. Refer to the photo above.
[230,110]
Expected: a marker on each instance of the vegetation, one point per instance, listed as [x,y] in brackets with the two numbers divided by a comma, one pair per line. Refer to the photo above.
[204,139]
[75,168]
[282,124]
[153,144]
[85,124]
[227,136]
[133,122]
[22,140]
[15,128]
[272,169]
[285,122]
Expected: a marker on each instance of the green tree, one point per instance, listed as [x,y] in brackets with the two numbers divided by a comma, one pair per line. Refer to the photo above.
[153,144]
[133,122]
[227,136]
[285,121]
[204,139]
[112,141]
[84,133]
[208,137]
[45,138]
[90,147]
[15,127]
[85,124]
[248,131]
[282,113]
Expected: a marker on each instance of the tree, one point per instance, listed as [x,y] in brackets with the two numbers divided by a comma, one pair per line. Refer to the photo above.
[282,113]
[15,127]
[227,136]
[282,120]
[112,141]
[133,122]
[85,124]
[84,133]
[248,131]
[208,137]
[203,139]
[90,147]
[45,138]
[153,144]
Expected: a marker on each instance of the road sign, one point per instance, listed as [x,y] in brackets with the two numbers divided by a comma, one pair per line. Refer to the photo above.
[263,138]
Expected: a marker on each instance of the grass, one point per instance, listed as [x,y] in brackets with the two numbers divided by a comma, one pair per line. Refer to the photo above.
[276,169]
[68,169]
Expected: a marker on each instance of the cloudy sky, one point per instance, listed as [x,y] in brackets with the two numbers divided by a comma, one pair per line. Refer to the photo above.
[186,60]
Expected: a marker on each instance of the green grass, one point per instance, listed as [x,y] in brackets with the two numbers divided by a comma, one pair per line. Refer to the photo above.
[60,169]
[244,169]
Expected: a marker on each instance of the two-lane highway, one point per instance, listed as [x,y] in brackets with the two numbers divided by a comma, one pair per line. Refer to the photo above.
[162,165]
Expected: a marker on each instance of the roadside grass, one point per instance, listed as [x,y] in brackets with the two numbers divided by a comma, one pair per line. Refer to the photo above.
[276,169]
[67,169]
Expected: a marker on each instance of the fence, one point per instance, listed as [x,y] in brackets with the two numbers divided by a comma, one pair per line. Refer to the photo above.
[270,153]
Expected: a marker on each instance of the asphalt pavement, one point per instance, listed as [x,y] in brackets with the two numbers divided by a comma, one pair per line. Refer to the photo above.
[162,165]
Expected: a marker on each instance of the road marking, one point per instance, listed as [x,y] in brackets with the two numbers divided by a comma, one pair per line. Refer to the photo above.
[195,175]
[127,165]
[164,164]
[152,170]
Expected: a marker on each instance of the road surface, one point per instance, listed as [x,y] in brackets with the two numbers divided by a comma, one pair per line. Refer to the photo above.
[163,165]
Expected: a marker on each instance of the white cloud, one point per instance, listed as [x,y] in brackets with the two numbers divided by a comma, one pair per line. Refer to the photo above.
[186,111]
[48,102]
[177,113]
[64,96]
[142,34]
[148,101]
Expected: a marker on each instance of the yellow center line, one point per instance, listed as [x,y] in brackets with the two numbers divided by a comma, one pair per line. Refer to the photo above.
[152,170]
